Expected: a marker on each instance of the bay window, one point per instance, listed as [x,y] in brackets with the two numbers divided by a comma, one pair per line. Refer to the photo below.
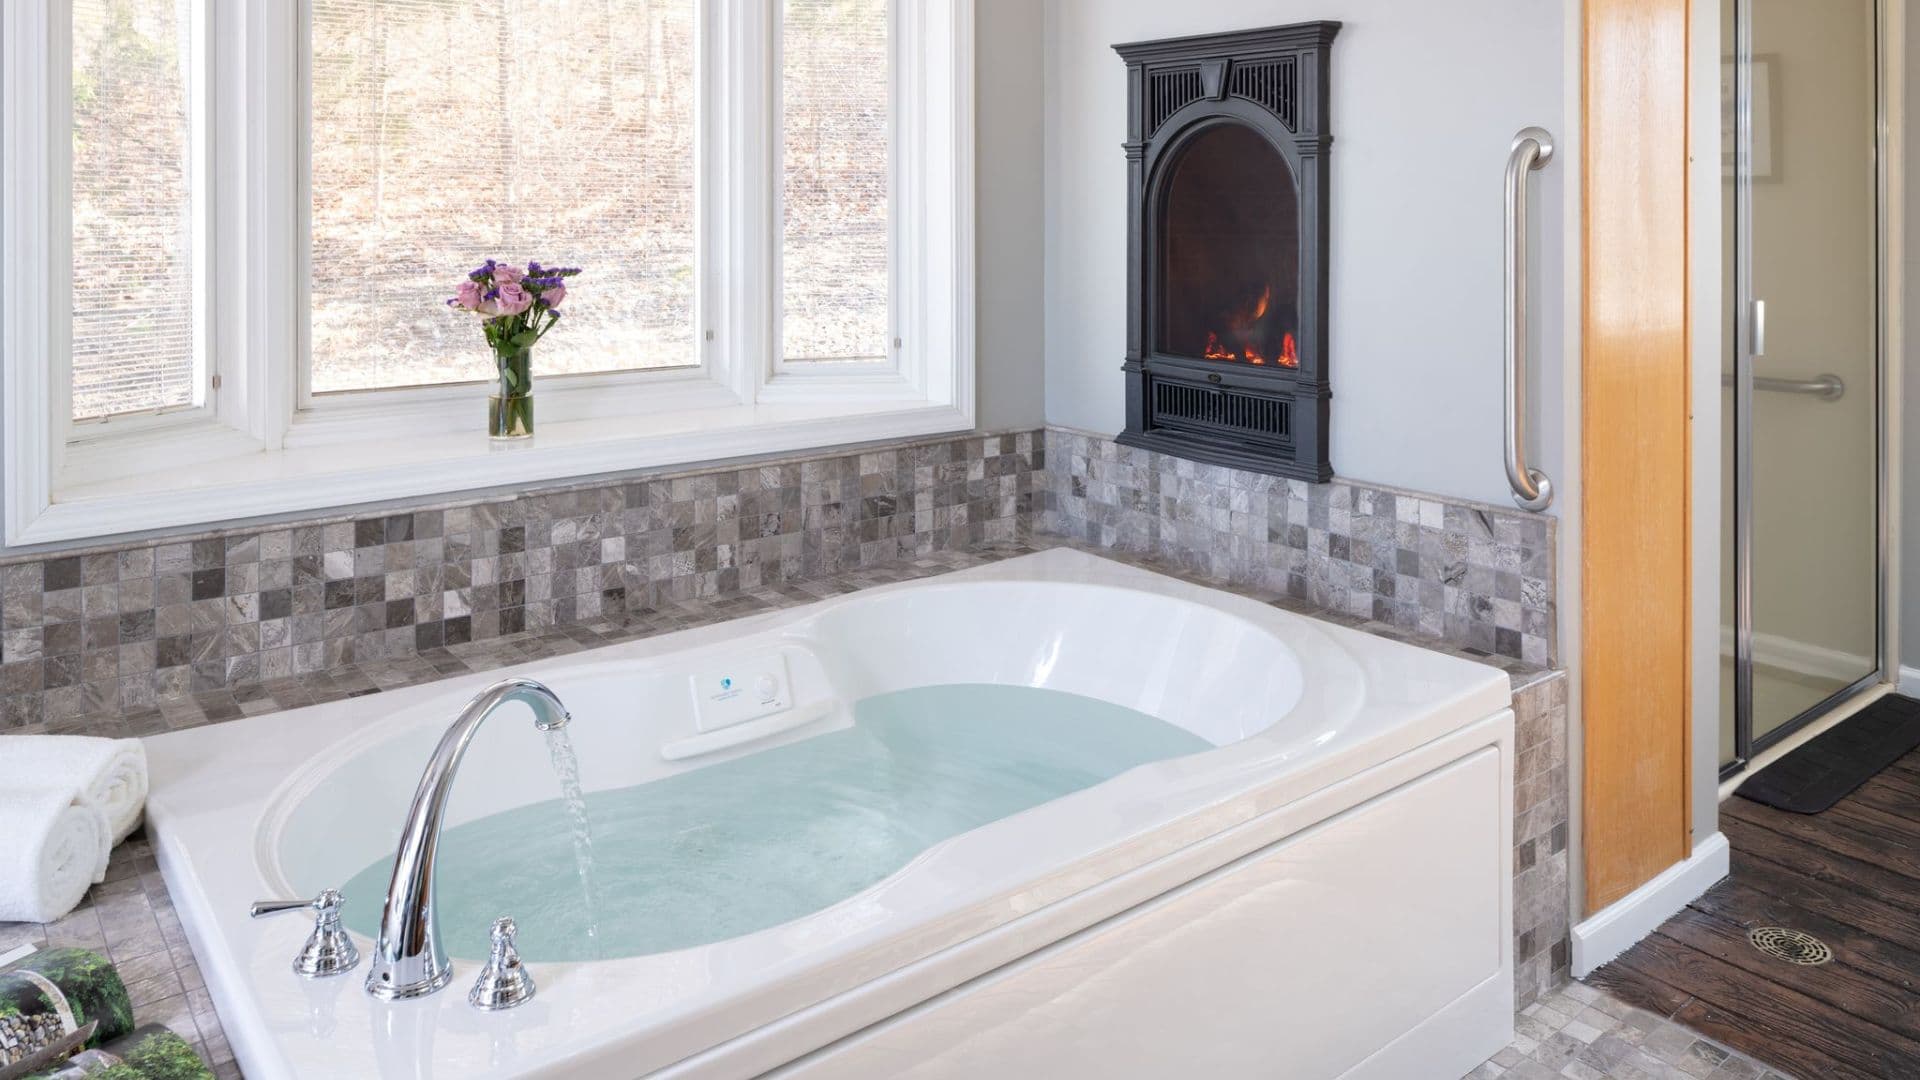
[249,214]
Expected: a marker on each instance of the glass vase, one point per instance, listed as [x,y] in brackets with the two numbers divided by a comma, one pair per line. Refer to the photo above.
[510,408]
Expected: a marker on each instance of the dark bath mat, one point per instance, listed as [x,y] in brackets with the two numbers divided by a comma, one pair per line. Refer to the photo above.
[1833,763]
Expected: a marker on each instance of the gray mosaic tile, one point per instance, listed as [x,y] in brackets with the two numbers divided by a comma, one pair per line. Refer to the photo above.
[1584,1033]
[1477,575]
[100,639]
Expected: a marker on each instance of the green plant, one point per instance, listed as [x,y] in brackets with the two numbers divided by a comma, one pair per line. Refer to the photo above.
[162,1055]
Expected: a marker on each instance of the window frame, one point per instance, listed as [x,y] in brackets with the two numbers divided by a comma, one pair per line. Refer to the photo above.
[264,445]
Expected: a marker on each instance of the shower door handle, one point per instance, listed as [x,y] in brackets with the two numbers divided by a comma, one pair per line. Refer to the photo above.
[1757,328]
[1532,149]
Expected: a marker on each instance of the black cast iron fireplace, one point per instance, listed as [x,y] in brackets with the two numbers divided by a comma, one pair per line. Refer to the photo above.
[1227,248]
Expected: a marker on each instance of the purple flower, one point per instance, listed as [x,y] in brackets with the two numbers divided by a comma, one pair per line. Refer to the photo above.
[513,298]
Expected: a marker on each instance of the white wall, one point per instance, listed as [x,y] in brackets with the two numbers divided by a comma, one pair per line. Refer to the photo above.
[1426,100]
[1009,168]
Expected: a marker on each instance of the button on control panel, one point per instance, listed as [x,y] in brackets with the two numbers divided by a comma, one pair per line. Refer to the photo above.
[754,686]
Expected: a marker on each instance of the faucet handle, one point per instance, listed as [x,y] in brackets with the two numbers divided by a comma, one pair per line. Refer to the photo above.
[328,951]
[505,981]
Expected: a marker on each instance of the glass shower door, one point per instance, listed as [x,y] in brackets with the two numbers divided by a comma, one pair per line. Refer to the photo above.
[1801,400]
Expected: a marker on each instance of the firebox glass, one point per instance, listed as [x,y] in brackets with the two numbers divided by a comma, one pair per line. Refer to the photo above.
[1229,241]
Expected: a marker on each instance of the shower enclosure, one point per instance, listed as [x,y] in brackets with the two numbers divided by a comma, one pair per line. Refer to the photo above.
[1804,538]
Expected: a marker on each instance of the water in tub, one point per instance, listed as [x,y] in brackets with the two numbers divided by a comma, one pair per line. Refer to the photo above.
[760,840]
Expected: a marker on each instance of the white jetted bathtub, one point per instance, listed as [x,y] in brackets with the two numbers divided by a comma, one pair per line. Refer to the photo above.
[1052,817]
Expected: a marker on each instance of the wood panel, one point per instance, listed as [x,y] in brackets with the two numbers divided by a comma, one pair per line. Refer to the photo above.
[1635,449]
[1845,876]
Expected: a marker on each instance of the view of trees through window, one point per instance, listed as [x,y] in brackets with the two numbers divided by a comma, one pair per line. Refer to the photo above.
[446,132]
[134,346]
[834,191]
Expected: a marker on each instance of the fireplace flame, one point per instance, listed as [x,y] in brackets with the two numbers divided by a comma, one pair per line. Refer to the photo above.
[1241,326]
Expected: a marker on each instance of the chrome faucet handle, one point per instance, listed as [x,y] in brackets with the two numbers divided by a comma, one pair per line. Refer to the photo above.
[505,981]
[328,951]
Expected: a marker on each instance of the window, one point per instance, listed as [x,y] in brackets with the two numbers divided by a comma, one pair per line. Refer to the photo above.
[771,202]
[834,180]
[447,134]
[136,209]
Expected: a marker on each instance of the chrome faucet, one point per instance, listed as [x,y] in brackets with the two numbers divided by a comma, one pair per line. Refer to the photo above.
[408,961]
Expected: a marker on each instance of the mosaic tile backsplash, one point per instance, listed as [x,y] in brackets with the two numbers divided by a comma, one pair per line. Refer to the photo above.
[89,637]
[1469,573]
[107,639]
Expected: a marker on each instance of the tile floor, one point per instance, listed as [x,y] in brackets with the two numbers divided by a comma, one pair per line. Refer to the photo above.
[1581,1033]
[130,919]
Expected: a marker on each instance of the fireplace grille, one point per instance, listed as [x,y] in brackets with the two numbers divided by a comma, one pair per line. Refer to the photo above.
[1200,408]
[1270,84]
[1171,92]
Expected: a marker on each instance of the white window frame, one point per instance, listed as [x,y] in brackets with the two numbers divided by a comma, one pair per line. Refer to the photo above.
[263,445]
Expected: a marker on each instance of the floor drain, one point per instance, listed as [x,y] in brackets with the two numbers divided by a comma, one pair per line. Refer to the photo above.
[1793,946]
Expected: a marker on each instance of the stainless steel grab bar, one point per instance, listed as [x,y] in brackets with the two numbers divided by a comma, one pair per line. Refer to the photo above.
[1827,387]
[1532,149]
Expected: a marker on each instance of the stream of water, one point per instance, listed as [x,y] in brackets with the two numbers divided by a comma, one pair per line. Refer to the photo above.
[566,767]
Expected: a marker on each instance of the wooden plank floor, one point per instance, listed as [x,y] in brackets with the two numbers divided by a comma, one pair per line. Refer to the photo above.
[1850,877]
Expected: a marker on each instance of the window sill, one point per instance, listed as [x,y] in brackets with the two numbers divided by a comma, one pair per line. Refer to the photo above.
[248,482]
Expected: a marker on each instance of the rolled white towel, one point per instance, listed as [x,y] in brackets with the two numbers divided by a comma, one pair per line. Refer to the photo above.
[50,850]
[109,773]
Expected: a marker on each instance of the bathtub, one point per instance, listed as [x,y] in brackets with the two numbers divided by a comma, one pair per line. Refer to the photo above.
[1323,889]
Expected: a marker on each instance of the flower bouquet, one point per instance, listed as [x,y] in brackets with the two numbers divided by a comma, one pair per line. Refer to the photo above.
[517,308]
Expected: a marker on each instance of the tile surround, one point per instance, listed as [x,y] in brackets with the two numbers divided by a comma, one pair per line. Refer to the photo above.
[93,638]
[1469,573]
[1542,890]
[88,638]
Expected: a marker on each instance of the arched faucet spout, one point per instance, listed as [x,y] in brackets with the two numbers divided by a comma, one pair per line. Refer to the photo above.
[408,960]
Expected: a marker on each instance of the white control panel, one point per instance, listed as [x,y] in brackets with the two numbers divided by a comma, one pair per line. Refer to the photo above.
[754,686]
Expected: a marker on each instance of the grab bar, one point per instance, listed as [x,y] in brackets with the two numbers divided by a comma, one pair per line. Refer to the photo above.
[1532,149]
[1825,387]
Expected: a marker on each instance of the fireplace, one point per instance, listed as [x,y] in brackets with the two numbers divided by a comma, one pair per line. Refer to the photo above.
[1227,248]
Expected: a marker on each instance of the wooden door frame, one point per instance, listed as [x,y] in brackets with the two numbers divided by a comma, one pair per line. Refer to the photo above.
[1636,446]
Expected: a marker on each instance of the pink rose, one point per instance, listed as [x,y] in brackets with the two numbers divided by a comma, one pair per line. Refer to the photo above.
[467,298]
[502,274]
[553,294]
[513,299]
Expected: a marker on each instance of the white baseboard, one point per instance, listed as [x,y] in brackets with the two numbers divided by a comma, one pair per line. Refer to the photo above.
[1910,681]
[1612,931]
